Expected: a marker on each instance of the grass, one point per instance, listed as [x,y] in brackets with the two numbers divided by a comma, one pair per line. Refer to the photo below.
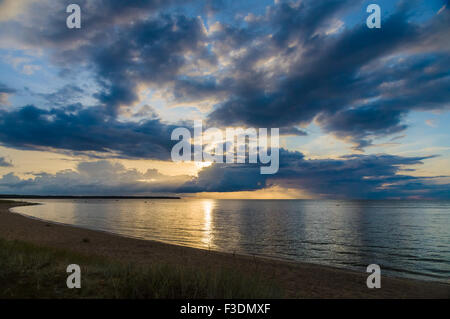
[30,271]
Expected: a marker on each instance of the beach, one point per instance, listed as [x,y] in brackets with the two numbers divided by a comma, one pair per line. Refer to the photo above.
[298,280]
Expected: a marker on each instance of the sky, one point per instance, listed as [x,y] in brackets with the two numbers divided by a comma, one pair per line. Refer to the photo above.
[363,113]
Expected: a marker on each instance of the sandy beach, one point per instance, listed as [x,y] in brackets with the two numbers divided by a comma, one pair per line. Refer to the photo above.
[299,280]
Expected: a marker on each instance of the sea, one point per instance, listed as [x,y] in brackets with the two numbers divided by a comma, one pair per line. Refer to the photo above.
[406,238]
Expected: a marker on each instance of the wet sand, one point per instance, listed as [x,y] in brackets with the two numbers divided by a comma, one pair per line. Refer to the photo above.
[299,280]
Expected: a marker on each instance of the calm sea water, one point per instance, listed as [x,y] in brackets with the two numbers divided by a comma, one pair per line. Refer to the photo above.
[406,238]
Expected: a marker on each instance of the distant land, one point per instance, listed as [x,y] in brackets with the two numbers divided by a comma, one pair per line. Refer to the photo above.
[87,197]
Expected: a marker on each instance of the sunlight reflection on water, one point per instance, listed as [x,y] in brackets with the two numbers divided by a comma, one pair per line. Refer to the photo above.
[407,238]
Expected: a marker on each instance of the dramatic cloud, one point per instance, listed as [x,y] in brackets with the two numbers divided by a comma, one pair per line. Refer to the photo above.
[417,83]
[122,43]
[92,178]
[286,65]
[75,129]
[97,16]
[359,177]
[355,176]
[348,81]
[280,69]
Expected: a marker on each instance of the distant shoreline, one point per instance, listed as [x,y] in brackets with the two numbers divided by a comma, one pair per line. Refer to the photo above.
[297,279]
[17,196]
[85,197]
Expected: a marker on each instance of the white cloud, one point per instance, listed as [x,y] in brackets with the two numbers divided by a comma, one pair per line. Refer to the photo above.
[99,177]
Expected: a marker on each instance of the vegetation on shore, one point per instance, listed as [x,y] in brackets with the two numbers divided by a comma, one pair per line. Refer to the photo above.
[30,271]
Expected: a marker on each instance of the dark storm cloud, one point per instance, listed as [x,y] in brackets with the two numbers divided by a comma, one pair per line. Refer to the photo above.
[292,131]
[355,176]
[304,19]
[337,76]
[330,77]
[123,43]
[226,178]
[97,17]
[419,83]
[151,52]
[356,124]
[188,88]
[75,129]
[325,79]
[282,69]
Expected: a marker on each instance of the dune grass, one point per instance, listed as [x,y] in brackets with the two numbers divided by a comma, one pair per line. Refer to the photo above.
[30,271]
